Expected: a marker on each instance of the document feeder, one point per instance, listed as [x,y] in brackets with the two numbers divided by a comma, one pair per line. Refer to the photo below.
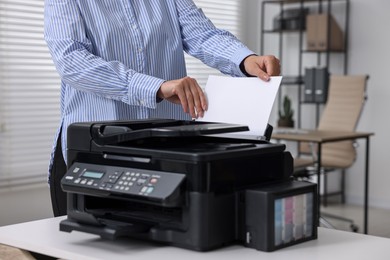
[178,183]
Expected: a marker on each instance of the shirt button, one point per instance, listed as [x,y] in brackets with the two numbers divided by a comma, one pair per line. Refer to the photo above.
[134,26]
[141,102]
[140,50]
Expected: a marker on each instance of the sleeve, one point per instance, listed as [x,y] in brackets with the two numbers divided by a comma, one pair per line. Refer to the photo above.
[70,48]
[215,47]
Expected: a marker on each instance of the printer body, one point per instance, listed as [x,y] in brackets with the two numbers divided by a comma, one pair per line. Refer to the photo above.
[183,183]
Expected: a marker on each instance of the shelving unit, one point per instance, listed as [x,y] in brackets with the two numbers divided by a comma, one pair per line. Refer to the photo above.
[322,57]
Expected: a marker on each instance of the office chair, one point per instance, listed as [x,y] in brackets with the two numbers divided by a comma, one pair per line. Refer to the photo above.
[346,98]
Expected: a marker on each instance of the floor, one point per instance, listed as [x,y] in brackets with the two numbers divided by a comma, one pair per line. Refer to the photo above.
[378,219]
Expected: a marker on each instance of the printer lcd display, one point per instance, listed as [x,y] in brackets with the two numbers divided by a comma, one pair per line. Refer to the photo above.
[93,174]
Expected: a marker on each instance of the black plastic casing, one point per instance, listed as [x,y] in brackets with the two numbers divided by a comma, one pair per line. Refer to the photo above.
[218,171]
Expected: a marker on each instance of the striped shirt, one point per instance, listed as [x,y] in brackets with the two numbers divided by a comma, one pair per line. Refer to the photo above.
[113,55]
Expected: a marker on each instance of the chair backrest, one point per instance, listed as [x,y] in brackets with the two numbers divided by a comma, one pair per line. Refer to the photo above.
[346,97]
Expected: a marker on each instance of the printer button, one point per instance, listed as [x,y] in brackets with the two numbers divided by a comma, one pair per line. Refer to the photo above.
[141,181]
[112,178]
[69,178]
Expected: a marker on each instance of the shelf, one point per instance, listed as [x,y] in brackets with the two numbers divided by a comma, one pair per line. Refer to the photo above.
[292,80]
[310,103]
[323,51]
[283,31]
[296,78]
[297,1]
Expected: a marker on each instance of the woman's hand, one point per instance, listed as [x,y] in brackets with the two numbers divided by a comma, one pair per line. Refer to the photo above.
[262,66]
[187,92]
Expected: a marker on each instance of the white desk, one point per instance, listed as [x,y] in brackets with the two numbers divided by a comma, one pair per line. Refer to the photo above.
[44,237]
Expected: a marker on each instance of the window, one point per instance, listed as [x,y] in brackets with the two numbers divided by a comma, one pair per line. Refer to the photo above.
[29,86]
[29,94]
[226,16]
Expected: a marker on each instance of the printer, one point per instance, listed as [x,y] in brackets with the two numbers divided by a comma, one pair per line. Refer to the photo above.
[189,184]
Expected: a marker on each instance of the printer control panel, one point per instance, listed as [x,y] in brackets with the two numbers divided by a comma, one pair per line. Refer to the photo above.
[126,182]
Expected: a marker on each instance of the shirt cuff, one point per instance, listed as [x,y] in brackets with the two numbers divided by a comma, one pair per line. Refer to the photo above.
[238,56]
[143,90]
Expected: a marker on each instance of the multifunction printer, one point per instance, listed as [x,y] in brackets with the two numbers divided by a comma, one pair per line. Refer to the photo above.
[195,185]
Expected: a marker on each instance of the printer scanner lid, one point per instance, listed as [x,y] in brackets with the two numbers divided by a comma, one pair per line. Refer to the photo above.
[117,132]
[178,139]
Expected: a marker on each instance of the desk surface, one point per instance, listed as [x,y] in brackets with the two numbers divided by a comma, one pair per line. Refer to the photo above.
[43,236]
[318,136]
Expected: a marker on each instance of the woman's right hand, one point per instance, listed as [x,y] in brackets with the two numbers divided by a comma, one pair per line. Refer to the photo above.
[187,92]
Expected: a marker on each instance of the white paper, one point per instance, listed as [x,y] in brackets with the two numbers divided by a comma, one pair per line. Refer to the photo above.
[244,101]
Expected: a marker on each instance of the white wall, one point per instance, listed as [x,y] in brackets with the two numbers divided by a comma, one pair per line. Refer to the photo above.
[369,53]
[25,204]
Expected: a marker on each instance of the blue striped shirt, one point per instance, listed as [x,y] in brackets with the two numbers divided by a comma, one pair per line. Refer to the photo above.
[113,55]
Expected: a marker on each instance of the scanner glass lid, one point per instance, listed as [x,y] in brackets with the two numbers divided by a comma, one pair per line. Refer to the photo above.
[188,144]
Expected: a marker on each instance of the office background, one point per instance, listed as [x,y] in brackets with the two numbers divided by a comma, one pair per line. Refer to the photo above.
[368,54]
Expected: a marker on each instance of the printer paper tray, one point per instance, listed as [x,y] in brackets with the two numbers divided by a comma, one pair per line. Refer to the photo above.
[108,230]
[145,216]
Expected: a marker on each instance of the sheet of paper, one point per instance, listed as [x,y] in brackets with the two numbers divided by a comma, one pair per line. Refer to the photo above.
[245,101]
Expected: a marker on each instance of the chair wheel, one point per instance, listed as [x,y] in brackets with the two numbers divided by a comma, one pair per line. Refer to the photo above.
[354,228]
